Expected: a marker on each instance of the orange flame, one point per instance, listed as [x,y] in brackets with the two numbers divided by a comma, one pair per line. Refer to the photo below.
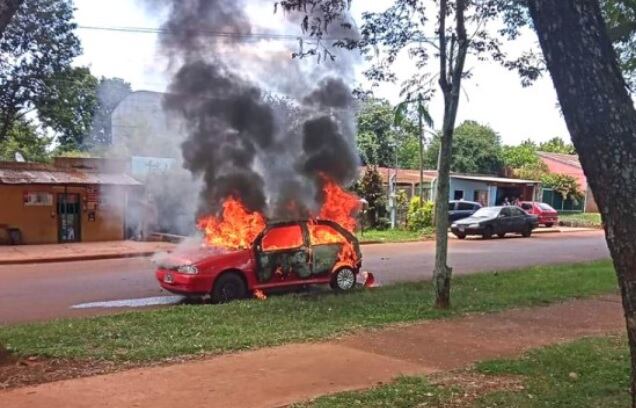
[235,228]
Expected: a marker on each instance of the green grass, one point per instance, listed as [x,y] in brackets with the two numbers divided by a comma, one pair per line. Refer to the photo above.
[581,220]
[189,330]
[588,373]
[591,372]
[393,235]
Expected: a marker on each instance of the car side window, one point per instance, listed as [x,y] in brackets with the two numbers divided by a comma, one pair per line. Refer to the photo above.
[283,238]
[324,234]
[505,212]
[516,212]
[465,207]
[451,206]
[526,207]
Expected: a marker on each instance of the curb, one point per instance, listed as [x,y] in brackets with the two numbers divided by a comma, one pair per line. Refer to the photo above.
[77,258]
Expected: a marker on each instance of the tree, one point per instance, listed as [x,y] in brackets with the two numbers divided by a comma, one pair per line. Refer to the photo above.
[620,16]
[110,92]
[521,155]
[370,188]
[567,186]
[23,138]
[37,46]
[68,104]
[476,149]
[601,119]
[557,145]
[423,116]
[378,138]
[8,8]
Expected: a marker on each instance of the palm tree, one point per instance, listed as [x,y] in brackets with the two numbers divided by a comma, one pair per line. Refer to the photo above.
[423,116]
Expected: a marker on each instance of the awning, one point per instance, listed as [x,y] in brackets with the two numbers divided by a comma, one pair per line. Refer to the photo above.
[23,176]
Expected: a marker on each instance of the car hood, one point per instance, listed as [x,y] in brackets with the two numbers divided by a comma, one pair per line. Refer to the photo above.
[194,256]
[472,220]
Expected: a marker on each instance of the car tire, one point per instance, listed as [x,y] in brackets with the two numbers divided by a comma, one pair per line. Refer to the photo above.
[502,235]
[527,232]
[344,280]
[549,225]
[228,287]
[459,235]
[488,232]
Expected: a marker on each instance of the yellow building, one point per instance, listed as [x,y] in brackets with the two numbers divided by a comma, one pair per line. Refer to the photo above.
[71,200]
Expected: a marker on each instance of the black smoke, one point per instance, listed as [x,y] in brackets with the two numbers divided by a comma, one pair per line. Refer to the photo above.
[241,141]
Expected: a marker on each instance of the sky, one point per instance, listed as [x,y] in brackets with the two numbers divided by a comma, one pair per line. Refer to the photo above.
[493,96]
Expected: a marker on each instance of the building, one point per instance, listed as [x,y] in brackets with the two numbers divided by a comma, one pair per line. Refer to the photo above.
[71,200]
[570,165]
[484,189]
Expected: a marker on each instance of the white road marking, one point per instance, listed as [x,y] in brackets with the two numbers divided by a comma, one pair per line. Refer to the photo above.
[142,302]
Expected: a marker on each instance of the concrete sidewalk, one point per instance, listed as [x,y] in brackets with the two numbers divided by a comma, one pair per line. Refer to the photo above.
[279,376]
[24,254]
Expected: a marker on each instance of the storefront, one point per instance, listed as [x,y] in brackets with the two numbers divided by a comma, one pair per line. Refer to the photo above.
[71,200]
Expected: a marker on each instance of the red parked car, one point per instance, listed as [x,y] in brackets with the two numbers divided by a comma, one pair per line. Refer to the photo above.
[548,216]
[283,255]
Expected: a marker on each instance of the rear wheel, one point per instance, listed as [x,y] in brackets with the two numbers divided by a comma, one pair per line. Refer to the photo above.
[502,235]
[228,287]
[487,234]
[344,280]
[527,232]
[549,225]
[460,235]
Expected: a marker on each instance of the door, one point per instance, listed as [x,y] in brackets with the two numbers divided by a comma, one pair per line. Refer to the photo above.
[326,245]
[69,216]
[283,254]
[504,221]
[517,219]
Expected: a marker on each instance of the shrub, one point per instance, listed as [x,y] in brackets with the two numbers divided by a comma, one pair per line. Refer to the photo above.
[420,216]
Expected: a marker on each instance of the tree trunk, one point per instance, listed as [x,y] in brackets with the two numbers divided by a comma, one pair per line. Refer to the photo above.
[421,139]
[8,8]
[601,118]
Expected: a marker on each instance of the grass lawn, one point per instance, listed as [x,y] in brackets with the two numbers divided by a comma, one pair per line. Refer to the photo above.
[193,329]
[581,220]
[588,373]
[394,235]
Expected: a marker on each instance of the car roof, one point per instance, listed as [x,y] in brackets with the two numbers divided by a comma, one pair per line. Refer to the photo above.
[463,201]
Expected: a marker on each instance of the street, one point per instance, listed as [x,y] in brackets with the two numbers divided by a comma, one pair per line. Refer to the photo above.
[47,291]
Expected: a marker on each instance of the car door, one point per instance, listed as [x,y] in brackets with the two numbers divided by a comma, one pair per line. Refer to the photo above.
[326,245]
[517,219]
[283,254]
[504,221]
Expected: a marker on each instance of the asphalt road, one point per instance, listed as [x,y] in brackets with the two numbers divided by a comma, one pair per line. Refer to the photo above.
[47,291]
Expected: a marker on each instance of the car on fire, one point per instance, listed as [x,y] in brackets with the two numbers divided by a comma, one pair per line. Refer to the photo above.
[285,254]
[490,221]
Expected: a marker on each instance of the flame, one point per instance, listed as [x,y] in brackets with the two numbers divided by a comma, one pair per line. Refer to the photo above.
[235,228]
[340,206]
[260,295]
[347,256]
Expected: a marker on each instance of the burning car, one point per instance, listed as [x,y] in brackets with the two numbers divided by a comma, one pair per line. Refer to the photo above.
[283,254]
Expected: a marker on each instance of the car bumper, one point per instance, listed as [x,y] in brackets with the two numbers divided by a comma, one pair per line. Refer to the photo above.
[467,231]
[183,284]
[548,219]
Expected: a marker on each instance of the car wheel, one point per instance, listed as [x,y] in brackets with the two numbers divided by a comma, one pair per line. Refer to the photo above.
[549,225]
[527,232]
[228,287]
[502,235]
[344,280]
[459,235]
[487,234]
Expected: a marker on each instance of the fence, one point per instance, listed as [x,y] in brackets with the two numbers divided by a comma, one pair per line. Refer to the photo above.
[558,203]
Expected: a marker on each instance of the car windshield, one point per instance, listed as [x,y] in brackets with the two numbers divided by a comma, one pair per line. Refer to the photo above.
[545,206]
[487,212]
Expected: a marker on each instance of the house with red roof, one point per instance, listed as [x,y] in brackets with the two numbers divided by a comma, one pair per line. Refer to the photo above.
[570,165]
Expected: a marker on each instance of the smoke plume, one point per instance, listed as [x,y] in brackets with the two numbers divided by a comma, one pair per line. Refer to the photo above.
[261,127]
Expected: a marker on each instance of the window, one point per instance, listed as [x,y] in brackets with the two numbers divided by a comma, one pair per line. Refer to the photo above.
[481,196]
[506,212]
[546,207]
[526,206]
[458,195]
[516,212]
[281,238]
[324,234]
[465,206]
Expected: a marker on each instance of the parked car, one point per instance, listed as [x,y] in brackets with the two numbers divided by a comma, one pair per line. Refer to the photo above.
[283,255]
[499,221]
[547,215]
[461,209]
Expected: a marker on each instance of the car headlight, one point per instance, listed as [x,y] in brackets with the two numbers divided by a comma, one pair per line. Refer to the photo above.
[454,226]
[188,269]
[474,226]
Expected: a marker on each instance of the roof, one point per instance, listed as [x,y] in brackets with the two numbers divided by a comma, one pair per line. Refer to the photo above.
[493,179]
[567,164]
[567,159]
[33,173]
[404,176]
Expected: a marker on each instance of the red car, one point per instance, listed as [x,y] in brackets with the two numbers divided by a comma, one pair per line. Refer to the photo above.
[283,255]
[548,216]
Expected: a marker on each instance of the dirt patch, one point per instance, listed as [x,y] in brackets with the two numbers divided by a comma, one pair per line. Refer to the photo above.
[468,386]
[5,356]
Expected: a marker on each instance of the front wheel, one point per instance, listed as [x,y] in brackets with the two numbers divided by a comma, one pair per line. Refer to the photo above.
[487,234]
[344,280]
[549,225]
[228,287]
[527,232]
[460,235]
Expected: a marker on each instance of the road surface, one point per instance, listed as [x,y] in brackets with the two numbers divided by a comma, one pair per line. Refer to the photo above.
[47,291]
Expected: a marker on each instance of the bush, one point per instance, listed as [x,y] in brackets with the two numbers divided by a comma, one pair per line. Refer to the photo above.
[420,216]
[382,224]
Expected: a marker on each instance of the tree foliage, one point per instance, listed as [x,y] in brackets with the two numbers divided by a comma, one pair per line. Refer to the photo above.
[566,185]
[37,46]
[24,138]
[557,145]
[371,188]
[524,154]
[476,149]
